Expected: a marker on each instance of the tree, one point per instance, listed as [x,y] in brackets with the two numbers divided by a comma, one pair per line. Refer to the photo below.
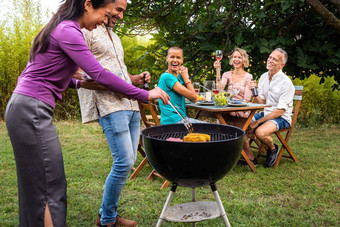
[202,26]
[327,15]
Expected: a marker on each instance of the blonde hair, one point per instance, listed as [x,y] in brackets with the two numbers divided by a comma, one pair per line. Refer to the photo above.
[245,57]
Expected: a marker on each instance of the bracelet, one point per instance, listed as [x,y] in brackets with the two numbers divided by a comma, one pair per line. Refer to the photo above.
[187,83]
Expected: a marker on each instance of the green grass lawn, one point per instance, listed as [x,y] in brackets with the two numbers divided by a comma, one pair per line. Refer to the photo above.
[295,194]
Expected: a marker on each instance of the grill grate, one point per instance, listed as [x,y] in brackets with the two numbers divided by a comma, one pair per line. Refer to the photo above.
[215,137]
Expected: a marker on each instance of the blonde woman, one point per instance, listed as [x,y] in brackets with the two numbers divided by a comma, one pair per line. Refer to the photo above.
[238,81]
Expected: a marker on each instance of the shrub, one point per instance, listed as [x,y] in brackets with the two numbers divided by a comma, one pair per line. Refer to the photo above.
[320,102]
[16,34]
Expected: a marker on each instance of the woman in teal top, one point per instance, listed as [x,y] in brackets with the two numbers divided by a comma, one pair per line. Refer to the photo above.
[176,83]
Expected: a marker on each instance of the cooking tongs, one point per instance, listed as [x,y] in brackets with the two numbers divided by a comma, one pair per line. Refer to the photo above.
[186,122]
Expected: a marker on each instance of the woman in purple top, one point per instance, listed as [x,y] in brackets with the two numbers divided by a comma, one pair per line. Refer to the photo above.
[57,52]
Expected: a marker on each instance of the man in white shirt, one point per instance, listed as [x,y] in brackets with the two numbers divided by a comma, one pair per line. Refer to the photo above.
[118,116]
[277,90]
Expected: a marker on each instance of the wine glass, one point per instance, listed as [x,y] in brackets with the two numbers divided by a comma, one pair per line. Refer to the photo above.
[216,88]
[236,91]
[196,86]
[236,88]
[208,84]
[219,55]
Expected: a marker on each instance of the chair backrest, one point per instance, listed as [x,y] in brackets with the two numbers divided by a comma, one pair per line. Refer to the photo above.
[297,98]
[149,109]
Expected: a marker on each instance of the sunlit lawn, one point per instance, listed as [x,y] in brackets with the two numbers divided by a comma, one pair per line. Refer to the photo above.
[296,194]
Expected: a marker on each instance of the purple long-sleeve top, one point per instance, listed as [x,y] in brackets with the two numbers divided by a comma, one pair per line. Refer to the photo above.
[51,72]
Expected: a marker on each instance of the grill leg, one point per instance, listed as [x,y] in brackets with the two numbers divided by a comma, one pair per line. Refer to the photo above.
[193,195]
[219,204]
[167,203]
[193,200]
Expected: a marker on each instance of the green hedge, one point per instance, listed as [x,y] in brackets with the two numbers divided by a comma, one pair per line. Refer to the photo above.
[320,102]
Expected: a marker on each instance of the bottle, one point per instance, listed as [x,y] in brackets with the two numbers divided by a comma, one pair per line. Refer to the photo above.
[145,84]
[254,90]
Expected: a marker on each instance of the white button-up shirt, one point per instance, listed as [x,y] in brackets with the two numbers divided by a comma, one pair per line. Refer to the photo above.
[110,55]
[278,93]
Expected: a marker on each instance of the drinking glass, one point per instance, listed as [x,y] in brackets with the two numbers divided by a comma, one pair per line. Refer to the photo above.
[219,55]
[236,88]
[196,86]
[208,84]
[236,91]
[216,88]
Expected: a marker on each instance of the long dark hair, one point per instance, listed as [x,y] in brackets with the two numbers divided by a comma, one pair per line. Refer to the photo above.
[69,10]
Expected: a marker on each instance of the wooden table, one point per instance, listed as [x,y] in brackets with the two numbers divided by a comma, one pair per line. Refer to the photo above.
[218,111]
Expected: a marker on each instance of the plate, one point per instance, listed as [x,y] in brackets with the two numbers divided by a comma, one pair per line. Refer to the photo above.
[237,104]
[205,103]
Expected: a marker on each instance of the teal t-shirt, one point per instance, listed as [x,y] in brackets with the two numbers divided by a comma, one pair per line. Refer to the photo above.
[168,114]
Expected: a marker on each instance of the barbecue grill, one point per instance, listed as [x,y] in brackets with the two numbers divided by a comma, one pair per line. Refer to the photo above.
[193,164]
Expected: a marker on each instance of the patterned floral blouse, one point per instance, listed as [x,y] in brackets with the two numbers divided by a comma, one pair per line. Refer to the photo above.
[110,55]
[243,87]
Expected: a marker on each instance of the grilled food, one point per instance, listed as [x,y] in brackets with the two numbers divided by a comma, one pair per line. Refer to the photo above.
[196,137]
[174,139]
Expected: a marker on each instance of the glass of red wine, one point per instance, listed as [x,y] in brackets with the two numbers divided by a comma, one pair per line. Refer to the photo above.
[216,88]
[219,55]
[196,86]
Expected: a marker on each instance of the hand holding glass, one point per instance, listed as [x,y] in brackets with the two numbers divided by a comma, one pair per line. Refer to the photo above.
[219,55]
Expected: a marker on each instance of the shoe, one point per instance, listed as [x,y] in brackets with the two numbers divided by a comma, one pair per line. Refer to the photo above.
[125,222]
[119,222]
[112,224]
[98,220]
[254,161]
[271,157]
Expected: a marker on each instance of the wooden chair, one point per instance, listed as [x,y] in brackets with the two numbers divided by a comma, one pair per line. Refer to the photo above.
[150,118]
[285,138]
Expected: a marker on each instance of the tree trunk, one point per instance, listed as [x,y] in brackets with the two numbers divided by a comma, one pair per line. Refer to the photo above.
[328,16]
[336,3]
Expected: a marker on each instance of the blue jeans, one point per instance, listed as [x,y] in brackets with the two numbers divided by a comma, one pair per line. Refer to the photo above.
[122,131]
[279,122]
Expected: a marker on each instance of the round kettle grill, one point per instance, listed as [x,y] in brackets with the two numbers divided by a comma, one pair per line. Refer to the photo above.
[193,164]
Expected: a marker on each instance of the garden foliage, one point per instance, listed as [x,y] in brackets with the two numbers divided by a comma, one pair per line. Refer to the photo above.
[17,30]
[201,27]
[320,102]
[321,92]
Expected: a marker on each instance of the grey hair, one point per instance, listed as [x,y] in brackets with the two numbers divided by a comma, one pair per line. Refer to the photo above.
[285,55]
